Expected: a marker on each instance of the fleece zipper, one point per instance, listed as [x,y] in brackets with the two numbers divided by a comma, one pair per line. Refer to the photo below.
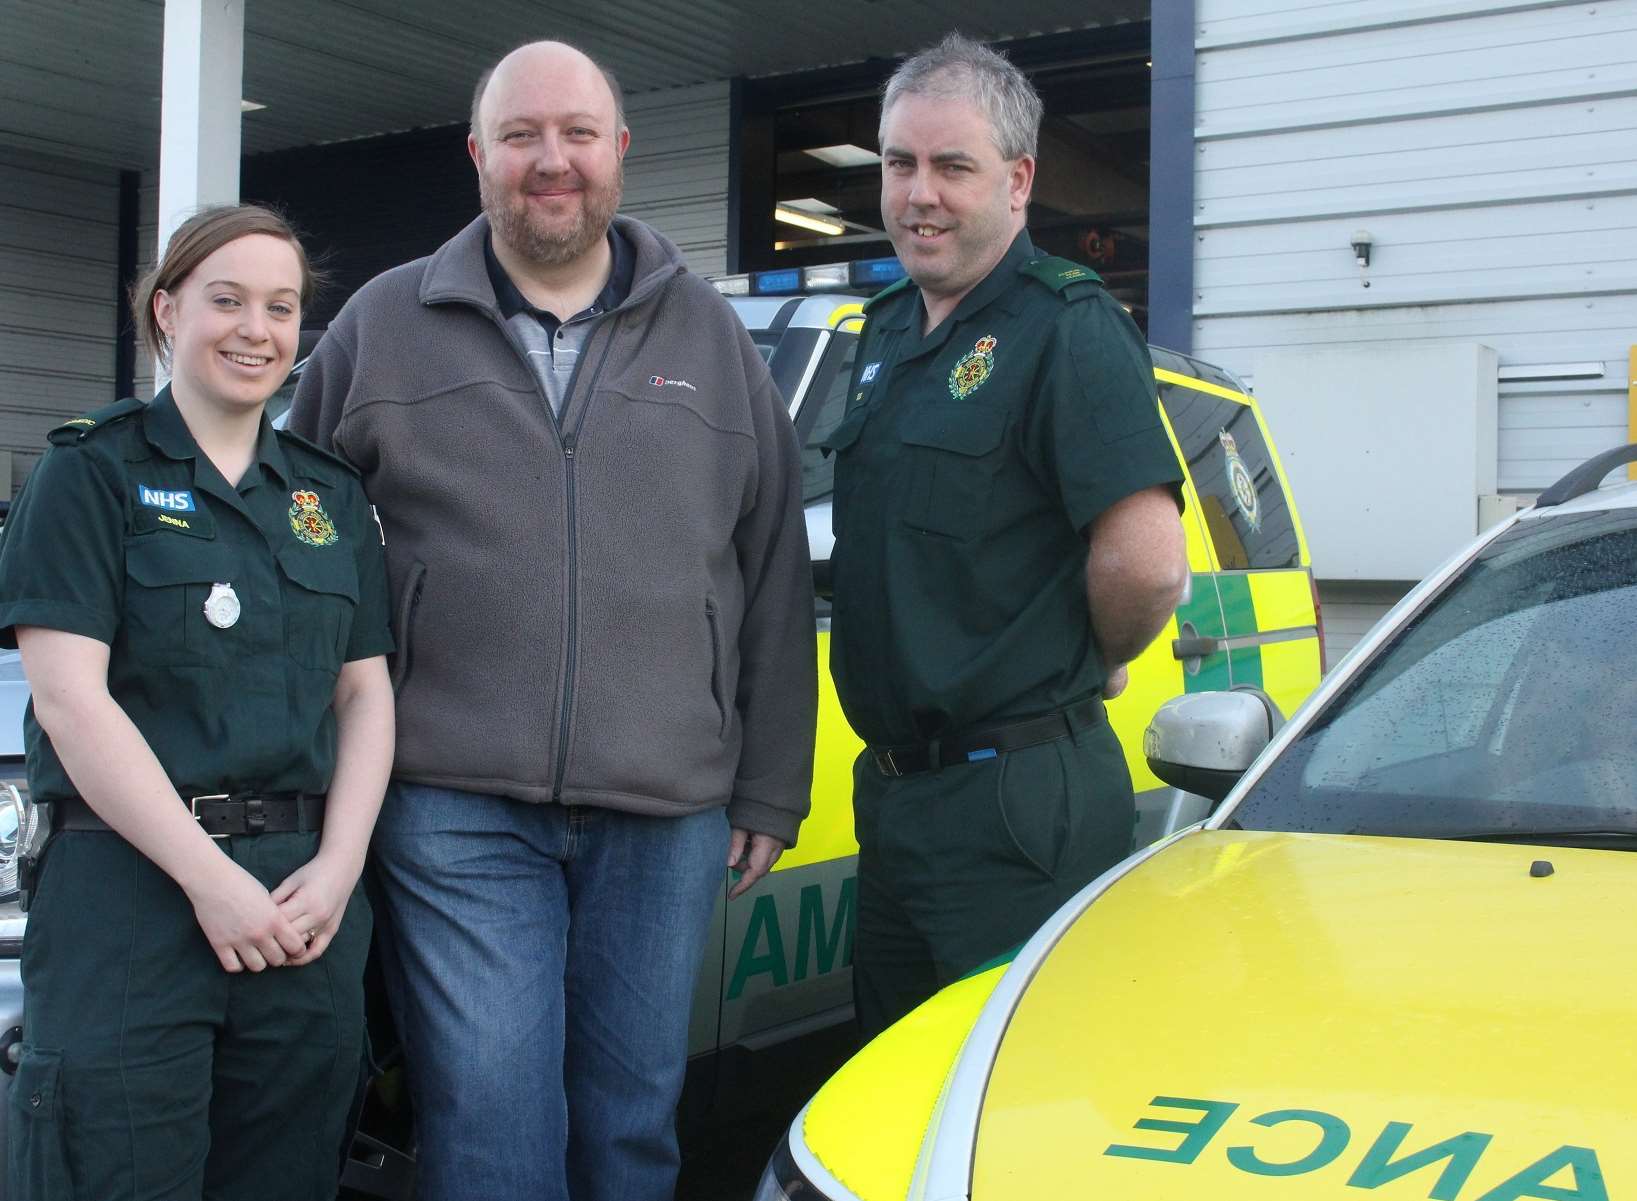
[640,293]
[571,591]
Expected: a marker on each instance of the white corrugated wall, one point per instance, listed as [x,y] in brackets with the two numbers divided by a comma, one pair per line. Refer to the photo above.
[1488,149]
[59,270]
[676,172]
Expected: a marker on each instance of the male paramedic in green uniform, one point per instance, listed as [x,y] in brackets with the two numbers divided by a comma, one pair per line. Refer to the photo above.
[1007,539]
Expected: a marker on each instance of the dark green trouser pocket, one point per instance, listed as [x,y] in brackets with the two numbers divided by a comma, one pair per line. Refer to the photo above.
[38,1146]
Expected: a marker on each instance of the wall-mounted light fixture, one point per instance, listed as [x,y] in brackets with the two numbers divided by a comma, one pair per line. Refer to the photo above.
[1362,241]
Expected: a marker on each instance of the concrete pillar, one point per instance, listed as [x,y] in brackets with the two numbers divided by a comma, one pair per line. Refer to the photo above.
[199,109]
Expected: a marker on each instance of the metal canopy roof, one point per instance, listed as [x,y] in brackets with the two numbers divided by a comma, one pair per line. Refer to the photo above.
[80,79]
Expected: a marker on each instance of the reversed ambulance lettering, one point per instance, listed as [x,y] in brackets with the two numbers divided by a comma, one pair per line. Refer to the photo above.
[1567,1173]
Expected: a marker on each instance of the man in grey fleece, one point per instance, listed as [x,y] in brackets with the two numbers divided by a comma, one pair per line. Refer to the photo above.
[606,674]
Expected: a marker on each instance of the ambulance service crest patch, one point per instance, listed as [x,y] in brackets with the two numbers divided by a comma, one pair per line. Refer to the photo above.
[1245,497]
[969,374]
[309,521]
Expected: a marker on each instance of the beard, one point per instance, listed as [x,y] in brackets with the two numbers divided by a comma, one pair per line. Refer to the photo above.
[547,241]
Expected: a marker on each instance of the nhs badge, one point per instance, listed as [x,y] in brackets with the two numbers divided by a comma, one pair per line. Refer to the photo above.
[171,500]
[868,373]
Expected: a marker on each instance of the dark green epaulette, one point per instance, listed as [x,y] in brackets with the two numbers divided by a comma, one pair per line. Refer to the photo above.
[76,429]
[891,289]
[318,452]
[1061,275]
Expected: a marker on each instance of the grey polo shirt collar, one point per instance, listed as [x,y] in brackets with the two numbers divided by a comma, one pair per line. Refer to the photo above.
[550,346]
[512,302]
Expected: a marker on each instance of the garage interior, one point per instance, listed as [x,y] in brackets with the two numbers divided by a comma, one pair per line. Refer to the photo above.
[812,139]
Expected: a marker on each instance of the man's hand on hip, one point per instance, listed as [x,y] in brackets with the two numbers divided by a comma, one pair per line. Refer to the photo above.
[751,855]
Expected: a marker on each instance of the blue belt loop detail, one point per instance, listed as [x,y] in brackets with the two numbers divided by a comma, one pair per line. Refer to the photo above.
[987,752]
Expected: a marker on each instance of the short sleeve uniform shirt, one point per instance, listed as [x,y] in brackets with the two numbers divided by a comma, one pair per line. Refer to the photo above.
[122,534]
[970,463]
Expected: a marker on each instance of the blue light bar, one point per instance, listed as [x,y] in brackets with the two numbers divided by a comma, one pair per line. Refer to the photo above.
[775,283]
[876,272]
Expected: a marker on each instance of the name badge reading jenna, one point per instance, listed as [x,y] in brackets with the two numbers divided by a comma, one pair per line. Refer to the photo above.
[175,500]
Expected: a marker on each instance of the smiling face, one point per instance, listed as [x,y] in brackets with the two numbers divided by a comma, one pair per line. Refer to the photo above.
[548,150]
[951,204]
[233,323]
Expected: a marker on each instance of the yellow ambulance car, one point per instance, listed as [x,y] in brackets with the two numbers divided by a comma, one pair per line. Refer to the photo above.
[1399,961]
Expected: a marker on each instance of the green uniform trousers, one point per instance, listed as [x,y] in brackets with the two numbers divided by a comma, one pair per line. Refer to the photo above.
[960,866]
[150,1074]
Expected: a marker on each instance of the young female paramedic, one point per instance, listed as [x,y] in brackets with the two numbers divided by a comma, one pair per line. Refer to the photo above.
[200,602]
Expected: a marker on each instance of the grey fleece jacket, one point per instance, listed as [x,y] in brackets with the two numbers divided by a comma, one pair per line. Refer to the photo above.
[613,608]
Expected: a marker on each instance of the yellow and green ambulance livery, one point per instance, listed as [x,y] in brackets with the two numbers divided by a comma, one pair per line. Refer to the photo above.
[1398,963]
[782,965]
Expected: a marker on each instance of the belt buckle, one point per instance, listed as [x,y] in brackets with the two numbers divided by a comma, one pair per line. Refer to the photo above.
[886,764]
[193,808]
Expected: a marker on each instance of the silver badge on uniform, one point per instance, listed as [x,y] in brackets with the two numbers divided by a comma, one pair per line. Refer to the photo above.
[222,606]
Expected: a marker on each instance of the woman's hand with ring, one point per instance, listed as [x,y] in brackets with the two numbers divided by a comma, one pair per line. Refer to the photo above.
[314,900]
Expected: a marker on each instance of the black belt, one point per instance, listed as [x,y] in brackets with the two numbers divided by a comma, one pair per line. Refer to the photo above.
[221,815]
[986,742]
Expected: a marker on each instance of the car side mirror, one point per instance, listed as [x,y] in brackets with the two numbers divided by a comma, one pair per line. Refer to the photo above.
[1203,742]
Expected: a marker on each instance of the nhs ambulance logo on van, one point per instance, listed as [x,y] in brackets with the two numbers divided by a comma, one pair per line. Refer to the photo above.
[171,500]
[1242,482]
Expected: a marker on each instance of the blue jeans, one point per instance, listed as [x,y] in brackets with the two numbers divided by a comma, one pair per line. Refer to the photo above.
[541,961]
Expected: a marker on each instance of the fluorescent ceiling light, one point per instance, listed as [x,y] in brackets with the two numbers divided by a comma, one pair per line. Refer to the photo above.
[249,106]
[844,156]
[818,225]
[810,204]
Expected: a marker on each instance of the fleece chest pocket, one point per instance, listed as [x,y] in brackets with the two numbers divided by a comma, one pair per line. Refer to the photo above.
[167,581]
[953,454]
[320,588]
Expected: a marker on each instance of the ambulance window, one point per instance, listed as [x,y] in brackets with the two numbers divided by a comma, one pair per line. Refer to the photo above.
[765,340]
[820,413]
[1241,500]
[789,356]
[279,403]
[1499,706]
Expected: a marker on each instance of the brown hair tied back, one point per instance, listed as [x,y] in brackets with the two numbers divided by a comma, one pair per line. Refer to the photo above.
[194,241]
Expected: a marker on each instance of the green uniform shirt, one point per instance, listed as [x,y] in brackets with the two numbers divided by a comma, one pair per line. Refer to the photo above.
[969,464]
[120,535]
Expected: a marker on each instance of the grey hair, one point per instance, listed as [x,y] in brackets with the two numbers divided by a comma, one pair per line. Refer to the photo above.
[960,68]
[488,73]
